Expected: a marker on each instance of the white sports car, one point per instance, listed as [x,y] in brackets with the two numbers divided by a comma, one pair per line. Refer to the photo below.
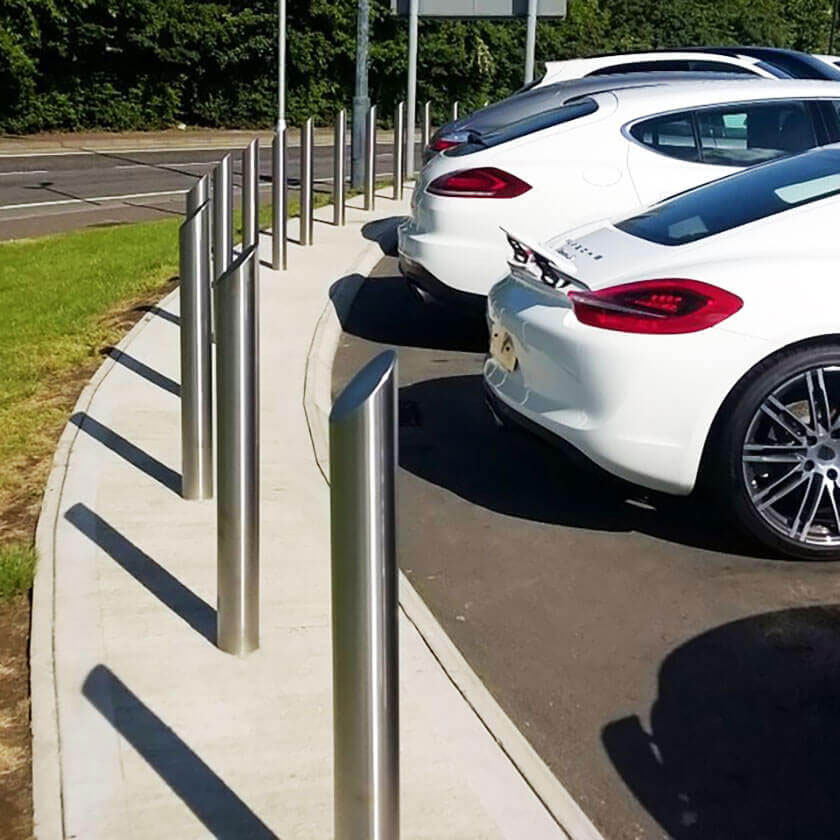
[703,333]
[596,156]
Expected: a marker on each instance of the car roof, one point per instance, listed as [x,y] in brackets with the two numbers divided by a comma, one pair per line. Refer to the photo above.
[649,55]
[802,65]
[666,95]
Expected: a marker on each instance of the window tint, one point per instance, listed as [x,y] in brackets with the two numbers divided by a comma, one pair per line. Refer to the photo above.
[672,135]
[742,135]
[673,65]
[740,199]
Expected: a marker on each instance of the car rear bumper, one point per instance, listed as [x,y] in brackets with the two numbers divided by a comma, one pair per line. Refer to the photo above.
[428,287]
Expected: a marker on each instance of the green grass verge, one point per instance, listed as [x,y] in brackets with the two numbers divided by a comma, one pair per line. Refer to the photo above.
[17,569]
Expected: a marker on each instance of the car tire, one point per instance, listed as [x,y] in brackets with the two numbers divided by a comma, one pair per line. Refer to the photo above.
[746,473]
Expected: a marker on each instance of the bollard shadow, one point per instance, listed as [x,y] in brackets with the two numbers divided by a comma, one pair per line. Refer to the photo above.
[128,451]
[385,310]
[453,442]
[744,732]
[160,313]
[219,809]
[149,573]
[384,233]
[141,369]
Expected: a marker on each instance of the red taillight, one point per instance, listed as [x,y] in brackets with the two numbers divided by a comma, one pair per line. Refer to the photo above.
[655,306]
[486,182]
[442,143]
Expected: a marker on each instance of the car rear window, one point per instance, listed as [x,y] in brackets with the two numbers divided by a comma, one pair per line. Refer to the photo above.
[536,122]
[739,199]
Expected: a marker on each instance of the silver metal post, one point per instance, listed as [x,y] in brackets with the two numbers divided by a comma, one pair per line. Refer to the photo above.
[306,218]
[370,160]
[530,41]
[222,215]
[279,200]
[398,151]
[455,110]
[363,460]
[251,193]
[427,124]
[339,148]
[411,95]
[237,455]
[196,352]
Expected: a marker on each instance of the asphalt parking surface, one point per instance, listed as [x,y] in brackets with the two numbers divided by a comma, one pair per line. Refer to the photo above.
[50,193]
[678,681]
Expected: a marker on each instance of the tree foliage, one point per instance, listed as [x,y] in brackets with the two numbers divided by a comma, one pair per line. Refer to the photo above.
[129,64]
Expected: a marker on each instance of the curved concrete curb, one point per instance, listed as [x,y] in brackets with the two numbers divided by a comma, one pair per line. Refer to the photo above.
[317,403]
[47,802]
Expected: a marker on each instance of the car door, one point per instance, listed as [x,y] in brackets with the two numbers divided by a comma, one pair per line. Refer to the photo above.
[675,152]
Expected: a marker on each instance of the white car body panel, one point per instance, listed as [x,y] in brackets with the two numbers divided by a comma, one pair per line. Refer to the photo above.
[640,405]
[580,171]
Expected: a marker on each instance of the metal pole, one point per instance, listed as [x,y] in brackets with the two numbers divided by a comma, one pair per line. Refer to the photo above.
[222,216]
[306,218]
[455,110]
[398,151]
[411,119]
[279,199]
[530,41]
[370,160]
[363,460]
[361,99]
[427,125]
[237,455]
[251,193]
[196,352]
[339,145]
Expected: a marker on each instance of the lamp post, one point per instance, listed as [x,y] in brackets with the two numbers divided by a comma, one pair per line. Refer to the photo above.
[361,99]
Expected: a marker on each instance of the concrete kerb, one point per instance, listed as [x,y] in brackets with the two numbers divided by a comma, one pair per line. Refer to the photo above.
[48,809]
[317,403]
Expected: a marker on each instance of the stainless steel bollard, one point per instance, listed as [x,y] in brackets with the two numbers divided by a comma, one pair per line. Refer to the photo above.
[237,454]
[251,193]
[339,148]
[399,124]
[455,110]
[370,159]
[427,125]
[196,352]
[306,219]
[363,461]
[222,216]
[279,200]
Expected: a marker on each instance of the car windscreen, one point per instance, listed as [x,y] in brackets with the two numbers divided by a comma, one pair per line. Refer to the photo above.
[528,125]
[739,199]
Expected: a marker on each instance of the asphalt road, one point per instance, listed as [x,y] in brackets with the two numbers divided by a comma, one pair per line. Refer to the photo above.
[678,681]
[49,193]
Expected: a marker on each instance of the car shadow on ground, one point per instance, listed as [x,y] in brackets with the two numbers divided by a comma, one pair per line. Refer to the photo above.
[744,732]
[384,233]
[385,310]
[449,438]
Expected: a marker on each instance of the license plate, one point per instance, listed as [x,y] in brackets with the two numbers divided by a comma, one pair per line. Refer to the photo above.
[501,348]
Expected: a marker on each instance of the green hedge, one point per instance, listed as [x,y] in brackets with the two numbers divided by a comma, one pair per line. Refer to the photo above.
[139,64]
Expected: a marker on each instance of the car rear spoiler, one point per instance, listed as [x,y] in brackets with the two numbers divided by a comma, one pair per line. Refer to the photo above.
[541,263]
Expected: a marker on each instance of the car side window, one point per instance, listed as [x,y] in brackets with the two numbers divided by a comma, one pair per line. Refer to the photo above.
[745,134]
[671,135]
[643,67]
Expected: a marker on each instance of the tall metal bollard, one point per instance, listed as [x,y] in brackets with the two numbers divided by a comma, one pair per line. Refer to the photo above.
[427,124]
[251,193]
[237,454]
[363,461]
[339,148]
[196,353]
[455,110]
[370,159]
[222,215]
[399,123]
[279,200]
[306,218]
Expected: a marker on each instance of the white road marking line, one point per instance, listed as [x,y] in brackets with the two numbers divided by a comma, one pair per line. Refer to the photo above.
[88,200]
[154,164]
[25,172]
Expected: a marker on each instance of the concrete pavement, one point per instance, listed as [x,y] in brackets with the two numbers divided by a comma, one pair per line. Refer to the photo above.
[141,727]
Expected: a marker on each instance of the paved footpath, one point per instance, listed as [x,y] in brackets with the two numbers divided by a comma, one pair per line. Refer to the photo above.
[141,727]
